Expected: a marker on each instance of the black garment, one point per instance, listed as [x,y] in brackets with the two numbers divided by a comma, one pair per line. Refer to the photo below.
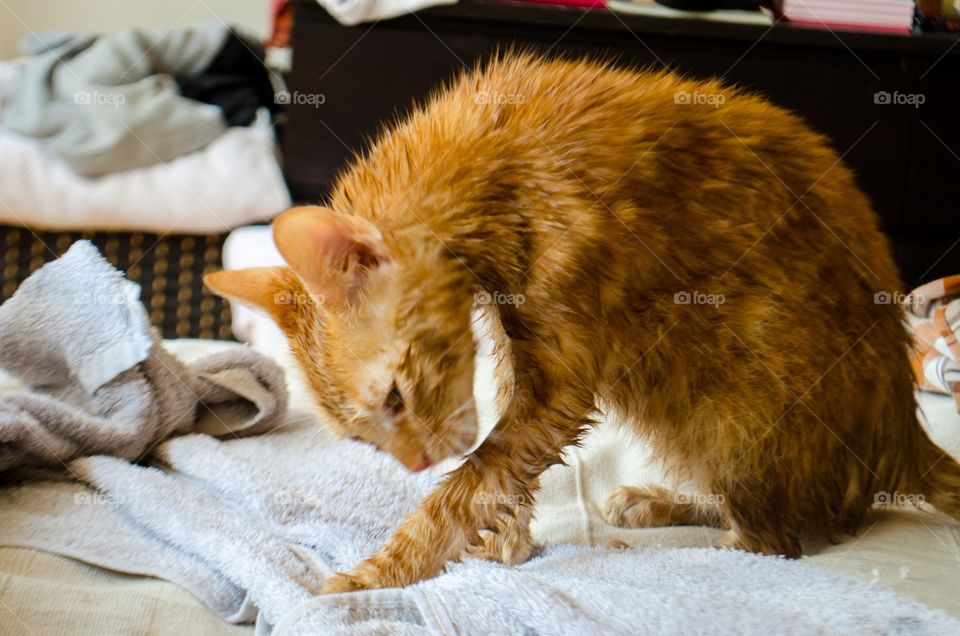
[237,81]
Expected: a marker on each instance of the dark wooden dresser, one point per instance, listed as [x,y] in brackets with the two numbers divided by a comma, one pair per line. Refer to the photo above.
[906,155]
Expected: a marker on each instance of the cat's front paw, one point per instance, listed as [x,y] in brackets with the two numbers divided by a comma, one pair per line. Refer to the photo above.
[342,582]
[369,575]
[381,571]
[509,542]
[507,548]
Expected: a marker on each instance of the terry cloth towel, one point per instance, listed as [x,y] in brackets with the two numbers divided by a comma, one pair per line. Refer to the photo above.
[934,316]
[252,527]
[96,380]
[573,590]
[234,181]
[111,103]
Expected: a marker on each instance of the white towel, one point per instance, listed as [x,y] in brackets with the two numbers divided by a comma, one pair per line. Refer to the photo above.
[256,524]
[234,181]
[574,590]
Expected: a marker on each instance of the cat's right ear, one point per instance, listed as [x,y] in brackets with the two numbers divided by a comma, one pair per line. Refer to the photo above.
[333,254]
[263,287]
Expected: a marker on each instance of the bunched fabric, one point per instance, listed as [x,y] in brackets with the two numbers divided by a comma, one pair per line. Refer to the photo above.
[97,381]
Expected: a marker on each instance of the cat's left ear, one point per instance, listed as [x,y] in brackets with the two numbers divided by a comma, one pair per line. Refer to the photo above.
[269,288]
[333,254]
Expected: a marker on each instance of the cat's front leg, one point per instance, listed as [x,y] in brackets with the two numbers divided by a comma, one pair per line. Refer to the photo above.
[445,524]
[497,480]
[510,541]
[436,531]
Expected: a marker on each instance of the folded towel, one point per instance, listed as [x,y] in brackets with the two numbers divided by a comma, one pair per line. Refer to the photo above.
[233,181]
[97,380]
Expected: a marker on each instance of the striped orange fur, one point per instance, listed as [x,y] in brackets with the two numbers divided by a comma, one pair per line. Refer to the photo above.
[685,256]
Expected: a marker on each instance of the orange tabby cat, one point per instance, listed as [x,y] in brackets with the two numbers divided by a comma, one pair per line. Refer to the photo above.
[681,254]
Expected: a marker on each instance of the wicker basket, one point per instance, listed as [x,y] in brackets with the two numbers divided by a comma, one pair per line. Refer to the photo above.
[169,269]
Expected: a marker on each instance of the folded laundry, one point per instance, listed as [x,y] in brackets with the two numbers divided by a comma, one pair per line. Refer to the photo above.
[233,181]
[111,103]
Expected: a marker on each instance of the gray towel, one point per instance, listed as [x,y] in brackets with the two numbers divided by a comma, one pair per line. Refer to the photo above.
[110,103]
[97,381]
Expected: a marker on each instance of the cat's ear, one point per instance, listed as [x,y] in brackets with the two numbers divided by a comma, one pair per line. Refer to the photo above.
[332,253]
[263,287]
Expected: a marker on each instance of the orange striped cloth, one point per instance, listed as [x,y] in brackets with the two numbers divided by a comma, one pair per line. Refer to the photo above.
[934,314]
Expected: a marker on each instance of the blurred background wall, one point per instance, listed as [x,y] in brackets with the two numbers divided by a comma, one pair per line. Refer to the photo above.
[20,17]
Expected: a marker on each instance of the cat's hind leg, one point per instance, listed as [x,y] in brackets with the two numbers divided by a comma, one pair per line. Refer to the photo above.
[762,537]
[762,522]
[751,528]
[655,507]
